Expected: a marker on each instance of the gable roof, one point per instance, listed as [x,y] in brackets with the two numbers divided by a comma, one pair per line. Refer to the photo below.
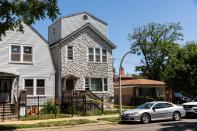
[84,12]
[132,82]
[88,25]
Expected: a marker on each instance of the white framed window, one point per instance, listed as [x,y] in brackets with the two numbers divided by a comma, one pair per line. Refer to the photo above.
[35,86]
[98,54]
[105,84]
[70,52]
[91,54]
[104,55]
[40,87]
[87,84]
[29,86]
[27,54]
[21,53]
[96,84]
[15,53]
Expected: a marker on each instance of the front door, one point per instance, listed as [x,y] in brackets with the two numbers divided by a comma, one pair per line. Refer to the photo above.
[5,90]
[69,84]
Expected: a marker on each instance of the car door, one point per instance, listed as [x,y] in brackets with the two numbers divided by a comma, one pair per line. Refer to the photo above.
[170,109]
[159,111]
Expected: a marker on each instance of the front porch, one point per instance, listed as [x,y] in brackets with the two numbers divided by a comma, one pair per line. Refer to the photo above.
[142,94]
[9,94]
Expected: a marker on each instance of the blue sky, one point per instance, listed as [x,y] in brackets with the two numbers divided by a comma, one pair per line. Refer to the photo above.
[123,16]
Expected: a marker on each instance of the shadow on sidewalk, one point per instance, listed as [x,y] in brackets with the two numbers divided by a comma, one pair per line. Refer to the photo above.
[7,127]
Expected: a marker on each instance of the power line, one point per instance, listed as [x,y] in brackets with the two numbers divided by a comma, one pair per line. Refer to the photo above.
[127,62]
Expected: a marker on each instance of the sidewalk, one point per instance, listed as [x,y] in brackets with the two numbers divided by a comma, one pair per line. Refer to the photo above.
[56,120]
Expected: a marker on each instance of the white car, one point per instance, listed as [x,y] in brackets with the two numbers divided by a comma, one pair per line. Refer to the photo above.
[190,107]
[157,110]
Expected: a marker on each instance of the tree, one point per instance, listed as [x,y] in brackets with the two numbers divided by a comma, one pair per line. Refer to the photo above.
[15,12]
[181,71]
[155,42]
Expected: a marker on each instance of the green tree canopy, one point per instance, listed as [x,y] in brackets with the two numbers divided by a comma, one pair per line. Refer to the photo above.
[155,42]
[181,71]
[15,12]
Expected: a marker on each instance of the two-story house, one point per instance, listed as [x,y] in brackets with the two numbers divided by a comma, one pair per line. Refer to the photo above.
[26,64]
[82,54]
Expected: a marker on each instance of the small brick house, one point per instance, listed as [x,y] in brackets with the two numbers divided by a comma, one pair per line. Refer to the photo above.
[136,91]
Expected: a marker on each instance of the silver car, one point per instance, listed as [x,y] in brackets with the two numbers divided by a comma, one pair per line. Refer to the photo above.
[157,110]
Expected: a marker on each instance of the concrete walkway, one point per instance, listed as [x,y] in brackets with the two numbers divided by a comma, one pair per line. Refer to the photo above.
[58,119]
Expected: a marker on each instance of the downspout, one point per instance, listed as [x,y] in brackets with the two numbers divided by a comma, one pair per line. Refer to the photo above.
[60,95]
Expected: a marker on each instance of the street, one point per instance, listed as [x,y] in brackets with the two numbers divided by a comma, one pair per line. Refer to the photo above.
[183,125]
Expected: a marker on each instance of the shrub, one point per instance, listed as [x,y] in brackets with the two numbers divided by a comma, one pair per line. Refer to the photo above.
[49,108]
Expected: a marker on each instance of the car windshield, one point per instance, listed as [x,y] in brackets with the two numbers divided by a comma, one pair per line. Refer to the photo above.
[145,106]
[178,94]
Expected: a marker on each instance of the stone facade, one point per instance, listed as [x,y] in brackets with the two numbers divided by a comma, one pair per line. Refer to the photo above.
[80,67]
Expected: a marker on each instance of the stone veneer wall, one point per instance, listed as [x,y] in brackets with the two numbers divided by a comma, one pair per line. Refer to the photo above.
[80,67]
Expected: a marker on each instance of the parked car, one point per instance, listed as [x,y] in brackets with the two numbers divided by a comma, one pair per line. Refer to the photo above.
[151,111]
[191,107]
[178,98]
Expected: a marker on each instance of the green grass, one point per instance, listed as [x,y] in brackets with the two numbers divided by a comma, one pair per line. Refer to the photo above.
[43,117]
[47,124]
[110,119]
[99,112]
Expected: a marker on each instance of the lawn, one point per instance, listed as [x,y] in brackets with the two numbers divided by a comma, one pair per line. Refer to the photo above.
[47,124]
[114,120]
[44,117]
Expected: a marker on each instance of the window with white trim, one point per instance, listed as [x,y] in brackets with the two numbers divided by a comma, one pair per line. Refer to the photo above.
[15,53]
[87,84]
[104,55]
[105,84]
[96,84]
[21,53]
[70,52]
[35,87]
[40,88]
[29,86]
[98,54]
[27,54]
[91,54]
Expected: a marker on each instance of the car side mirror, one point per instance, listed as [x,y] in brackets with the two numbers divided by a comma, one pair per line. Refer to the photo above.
[153,109]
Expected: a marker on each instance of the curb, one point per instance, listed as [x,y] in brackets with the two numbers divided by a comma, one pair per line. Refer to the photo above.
[58,127]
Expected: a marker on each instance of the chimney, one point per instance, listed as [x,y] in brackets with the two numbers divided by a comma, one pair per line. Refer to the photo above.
[122,71]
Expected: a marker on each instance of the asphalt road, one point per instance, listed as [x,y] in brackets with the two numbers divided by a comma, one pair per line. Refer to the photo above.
[183,125]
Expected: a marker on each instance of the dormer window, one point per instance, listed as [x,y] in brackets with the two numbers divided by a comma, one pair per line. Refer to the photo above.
[85,17]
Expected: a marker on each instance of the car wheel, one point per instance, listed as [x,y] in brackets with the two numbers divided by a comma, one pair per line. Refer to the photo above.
[145,118]
[176,116]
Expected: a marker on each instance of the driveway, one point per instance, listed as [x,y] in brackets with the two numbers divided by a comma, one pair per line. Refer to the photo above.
[183,125]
